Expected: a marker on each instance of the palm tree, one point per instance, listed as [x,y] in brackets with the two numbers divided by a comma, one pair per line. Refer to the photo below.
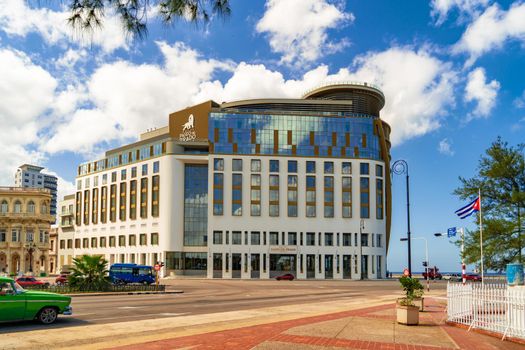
[89,273]
[87,15]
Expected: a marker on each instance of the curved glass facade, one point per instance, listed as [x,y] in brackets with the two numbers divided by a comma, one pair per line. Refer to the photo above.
[277,134]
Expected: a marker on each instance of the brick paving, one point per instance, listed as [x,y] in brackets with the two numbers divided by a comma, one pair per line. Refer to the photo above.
[276,333]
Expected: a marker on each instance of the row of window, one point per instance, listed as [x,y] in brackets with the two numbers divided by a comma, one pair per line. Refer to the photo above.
[92,206]
[292,166]
[29,208]
[123,176]
[327,239]
[111,241]
[41,236]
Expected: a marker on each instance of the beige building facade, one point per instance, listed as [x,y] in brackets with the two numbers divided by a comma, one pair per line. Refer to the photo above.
[66,233]
[25,223]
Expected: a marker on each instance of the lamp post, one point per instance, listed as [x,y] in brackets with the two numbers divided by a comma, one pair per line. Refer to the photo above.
[400,167]
[30,246]
[361,228]
[426,257]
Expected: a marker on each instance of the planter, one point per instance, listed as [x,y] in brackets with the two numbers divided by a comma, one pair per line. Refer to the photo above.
[407,315]
[419,302]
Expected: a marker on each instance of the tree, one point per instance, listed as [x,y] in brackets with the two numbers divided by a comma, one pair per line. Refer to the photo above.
[88,15]
[89,273]
[501,179]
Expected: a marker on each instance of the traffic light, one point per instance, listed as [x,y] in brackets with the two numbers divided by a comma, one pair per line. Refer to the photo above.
[425,263]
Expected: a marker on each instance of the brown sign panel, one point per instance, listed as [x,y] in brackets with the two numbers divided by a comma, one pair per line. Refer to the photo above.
[191,124]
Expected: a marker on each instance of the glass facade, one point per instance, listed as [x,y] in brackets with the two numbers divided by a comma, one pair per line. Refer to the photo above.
[195,204]
[276,134]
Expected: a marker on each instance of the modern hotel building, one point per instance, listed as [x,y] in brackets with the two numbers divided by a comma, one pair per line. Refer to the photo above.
[248,189]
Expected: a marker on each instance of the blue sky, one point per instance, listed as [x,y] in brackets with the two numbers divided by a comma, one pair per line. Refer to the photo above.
[452,72]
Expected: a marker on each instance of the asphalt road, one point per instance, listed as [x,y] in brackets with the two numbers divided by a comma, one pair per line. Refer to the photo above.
[210,296]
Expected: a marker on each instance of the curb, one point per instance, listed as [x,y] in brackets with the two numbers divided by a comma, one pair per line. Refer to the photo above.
[121,293]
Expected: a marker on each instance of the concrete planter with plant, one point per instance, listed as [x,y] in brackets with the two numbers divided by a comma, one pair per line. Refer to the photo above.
[407,312]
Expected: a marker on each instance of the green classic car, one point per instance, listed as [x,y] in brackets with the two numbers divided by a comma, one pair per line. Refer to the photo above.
[17,304]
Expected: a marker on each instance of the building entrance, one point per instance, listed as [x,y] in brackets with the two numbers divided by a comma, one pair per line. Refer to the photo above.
[281,264]
[255,265]
[217,265]
[310,266]
[328,266]
[347,266]
[236,265]
[364,267]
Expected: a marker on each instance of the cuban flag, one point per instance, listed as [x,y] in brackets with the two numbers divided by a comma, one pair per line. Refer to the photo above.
[468,209]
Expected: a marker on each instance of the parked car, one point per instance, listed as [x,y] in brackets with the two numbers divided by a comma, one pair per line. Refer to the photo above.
[28,281]
[472,277]
[61,280]
[285,277]
[18,304]
[452,276]
[433,273]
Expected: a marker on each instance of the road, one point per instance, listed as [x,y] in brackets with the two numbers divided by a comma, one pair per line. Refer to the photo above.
[211,296]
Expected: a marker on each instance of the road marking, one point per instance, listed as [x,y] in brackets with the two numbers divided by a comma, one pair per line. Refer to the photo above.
[134,316]
[130,307]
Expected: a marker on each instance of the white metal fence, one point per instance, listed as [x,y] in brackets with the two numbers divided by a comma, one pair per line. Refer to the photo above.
[492,307]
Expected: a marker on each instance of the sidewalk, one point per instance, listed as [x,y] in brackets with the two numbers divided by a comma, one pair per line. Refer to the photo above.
[366,328]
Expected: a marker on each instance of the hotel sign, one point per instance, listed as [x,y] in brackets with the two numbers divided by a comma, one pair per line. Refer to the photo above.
[191,124]
[283,250]
[188,130]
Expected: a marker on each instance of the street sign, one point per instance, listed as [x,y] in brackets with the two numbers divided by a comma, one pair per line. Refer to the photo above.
[405,272]
[157,267]
[425,263]
[451,232]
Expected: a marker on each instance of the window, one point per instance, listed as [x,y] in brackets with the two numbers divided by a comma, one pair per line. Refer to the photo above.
[310,167]
[77,243]
[274,166]
[79,184]
[328,239]
[328,167]
[154,238]
[236,237]
[379,170]
[122,202]
[18,207]
[218,193]
[86,207]
[292,166]
[347,239]
[365,197]
[310,196]
[292,195]
[237,165]
[218,164]
[93,242]
[347,196]
[69,244]
[31,207]
[274,195]
[132,240]
[144,169]
[62,241]
[217,237]
[123,175]
[379,240]
[102,242]
[113,203]
[4,208]
[364,169]
[379,199]
[346,168]
[112,241]
[134,172]
[274,238]
[114,176]
[121,241]
[364,239]
[255,238]
[236,194]
[144,197]
[328,196]
[292,238]
[255,195]
[133,199]
[103,204]
[85,243]
[143,239]
[155,183]
[255,165]
[156,167]
[94,206]
[310,238]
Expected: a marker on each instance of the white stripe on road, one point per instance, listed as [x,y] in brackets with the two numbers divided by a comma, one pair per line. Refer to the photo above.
[135,316]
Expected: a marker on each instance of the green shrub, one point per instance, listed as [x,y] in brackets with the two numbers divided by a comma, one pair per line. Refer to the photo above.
[89,274]
[412,288]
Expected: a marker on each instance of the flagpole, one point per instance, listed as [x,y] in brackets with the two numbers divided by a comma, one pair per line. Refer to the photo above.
[481,236]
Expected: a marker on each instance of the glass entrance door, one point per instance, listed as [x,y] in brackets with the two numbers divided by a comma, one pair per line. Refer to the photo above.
[364,267]
[236,265]
[310,266]
[256,265]
[347,266]
[217,265]
[328,266]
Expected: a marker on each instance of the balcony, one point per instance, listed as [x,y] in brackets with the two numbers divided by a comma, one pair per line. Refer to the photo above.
[45,217]
[66,225]
[67,213]
[24,189]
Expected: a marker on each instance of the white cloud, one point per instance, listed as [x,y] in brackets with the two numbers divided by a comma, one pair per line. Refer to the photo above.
[491,30]
[27,91]
[445,147]
[70,58]
[519,102]
[17,18]
[297,29]
[482,92]
[440,9]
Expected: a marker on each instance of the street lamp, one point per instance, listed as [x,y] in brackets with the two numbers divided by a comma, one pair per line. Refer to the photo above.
[426,257]
[400,167]
[361,228]
[30,246]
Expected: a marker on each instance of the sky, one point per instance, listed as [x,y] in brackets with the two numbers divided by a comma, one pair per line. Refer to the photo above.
[452,72]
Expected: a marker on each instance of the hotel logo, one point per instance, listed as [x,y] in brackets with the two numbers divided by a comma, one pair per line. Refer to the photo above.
[188,130]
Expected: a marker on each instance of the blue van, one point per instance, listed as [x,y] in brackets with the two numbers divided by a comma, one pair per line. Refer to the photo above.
[131,273]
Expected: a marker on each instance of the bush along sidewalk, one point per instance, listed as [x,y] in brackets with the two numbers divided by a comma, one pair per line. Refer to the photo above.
[110,288]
